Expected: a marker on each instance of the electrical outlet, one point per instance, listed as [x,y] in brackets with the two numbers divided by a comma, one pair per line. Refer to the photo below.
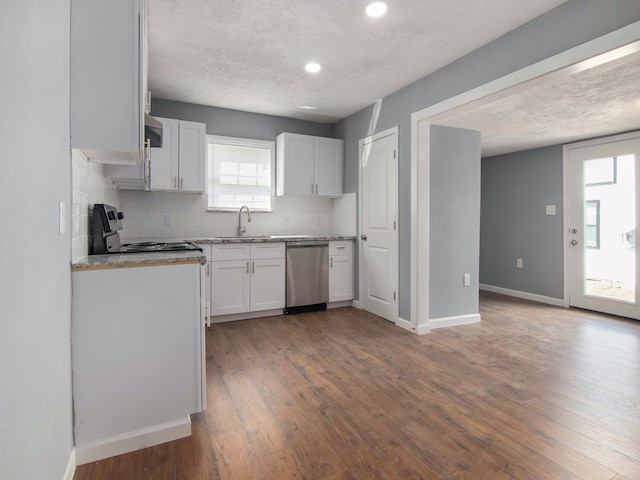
[466,280]
[319,220]
[519,263]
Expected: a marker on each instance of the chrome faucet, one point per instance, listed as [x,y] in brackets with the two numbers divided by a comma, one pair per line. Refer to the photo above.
[242,230]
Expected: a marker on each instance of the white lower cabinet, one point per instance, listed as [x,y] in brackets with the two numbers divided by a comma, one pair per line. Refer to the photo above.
[340,271]
[230,287]
[247,277]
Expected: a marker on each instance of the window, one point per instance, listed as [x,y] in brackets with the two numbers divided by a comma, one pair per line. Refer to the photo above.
[239,172]
[592,224]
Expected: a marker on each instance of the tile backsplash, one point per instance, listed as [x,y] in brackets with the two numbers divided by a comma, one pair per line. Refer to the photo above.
[90,186]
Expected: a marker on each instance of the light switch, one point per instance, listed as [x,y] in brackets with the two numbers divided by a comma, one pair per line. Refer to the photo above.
[551,209]
[63,217]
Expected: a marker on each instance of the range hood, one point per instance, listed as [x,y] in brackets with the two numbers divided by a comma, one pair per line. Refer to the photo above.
[153,130]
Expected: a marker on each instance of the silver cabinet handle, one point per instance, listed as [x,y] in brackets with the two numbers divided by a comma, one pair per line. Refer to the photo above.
[181,183]
[253,267]
[316,188]
[331,262]
[312,189]
[341,248]
[247,267]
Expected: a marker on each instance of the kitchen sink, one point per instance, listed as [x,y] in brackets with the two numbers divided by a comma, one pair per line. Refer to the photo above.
[290,236]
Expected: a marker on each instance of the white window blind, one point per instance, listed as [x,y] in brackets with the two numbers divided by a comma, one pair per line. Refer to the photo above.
[240,172]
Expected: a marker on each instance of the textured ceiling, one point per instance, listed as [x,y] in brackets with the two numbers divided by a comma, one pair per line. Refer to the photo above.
[600,101]
[249,54]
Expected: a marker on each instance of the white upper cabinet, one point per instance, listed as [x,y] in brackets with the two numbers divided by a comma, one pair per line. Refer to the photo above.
[108,80]
[308,165]
[179,165]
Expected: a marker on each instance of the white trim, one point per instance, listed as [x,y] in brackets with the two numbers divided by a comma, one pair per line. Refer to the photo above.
[454,321]
[361,143]
[136,440]
[558,302]
[246,315]
[595,52]
[341,304]
[423,329]
[406,324]
[71,466]
[356,304]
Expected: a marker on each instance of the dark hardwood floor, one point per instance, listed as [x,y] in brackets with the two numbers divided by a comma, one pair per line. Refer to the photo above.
[533,392]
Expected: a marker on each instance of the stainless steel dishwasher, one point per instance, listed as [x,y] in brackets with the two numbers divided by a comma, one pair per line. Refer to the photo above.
[307,276]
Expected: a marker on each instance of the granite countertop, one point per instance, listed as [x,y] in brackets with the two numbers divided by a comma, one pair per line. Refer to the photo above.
[272,238]
[124,260]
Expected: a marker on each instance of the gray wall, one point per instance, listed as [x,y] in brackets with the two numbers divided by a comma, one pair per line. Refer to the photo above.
[235,123]
[454,221]
[515,190]
[35,279]
[567,26]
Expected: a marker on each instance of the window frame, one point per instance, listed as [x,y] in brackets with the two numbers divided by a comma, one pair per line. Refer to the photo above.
[242,142]
[596,205]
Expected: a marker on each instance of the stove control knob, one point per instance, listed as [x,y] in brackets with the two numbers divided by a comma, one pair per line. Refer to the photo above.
[120,215]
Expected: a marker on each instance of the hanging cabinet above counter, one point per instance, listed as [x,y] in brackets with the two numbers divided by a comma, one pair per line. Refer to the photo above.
[109,80]
[308,165]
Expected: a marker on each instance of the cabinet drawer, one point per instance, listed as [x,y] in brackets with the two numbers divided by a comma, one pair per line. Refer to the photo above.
[230,251]
[267,250]
[341,248]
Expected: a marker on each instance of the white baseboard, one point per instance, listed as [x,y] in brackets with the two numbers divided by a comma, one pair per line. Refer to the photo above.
[246,316]
[344,303]
[128,442]
[406,324]
[71,466]
[558,302]
[454,321]
[412,327]
[356,304]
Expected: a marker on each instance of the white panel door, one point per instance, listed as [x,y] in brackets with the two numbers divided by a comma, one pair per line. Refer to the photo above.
[192,156]
[379,239]
[230,287]
[328,166]
[603,212]
[164,160]
[267,284]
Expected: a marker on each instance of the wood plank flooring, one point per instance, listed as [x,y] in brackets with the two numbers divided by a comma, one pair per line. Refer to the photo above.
[533,392]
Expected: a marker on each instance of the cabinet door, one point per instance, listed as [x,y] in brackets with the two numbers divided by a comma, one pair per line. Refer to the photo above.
[267,284]
[230,284]
[328,166]
[164,160]
[192,156]
[340,278]
[294,169]
[107,100]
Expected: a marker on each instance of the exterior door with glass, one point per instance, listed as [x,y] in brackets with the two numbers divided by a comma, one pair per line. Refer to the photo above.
[602,179]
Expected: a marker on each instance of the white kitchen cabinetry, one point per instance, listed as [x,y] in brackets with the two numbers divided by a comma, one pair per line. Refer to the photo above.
[138,358]
[179,165]
[308,165]
[247,277]
[108,80]
[340,271]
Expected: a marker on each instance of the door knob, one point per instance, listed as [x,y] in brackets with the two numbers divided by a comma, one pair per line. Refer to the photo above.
[574,231]
[363,237]
[574,242]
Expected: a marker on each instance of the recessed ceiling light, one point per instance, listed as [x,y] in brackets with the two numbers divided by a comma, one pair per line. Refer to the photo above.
[376,9]
[312,67]
[307,107]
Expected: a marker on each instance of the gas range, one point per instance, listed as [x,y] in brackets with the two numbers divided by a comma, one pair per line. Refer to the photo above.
[107,222]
